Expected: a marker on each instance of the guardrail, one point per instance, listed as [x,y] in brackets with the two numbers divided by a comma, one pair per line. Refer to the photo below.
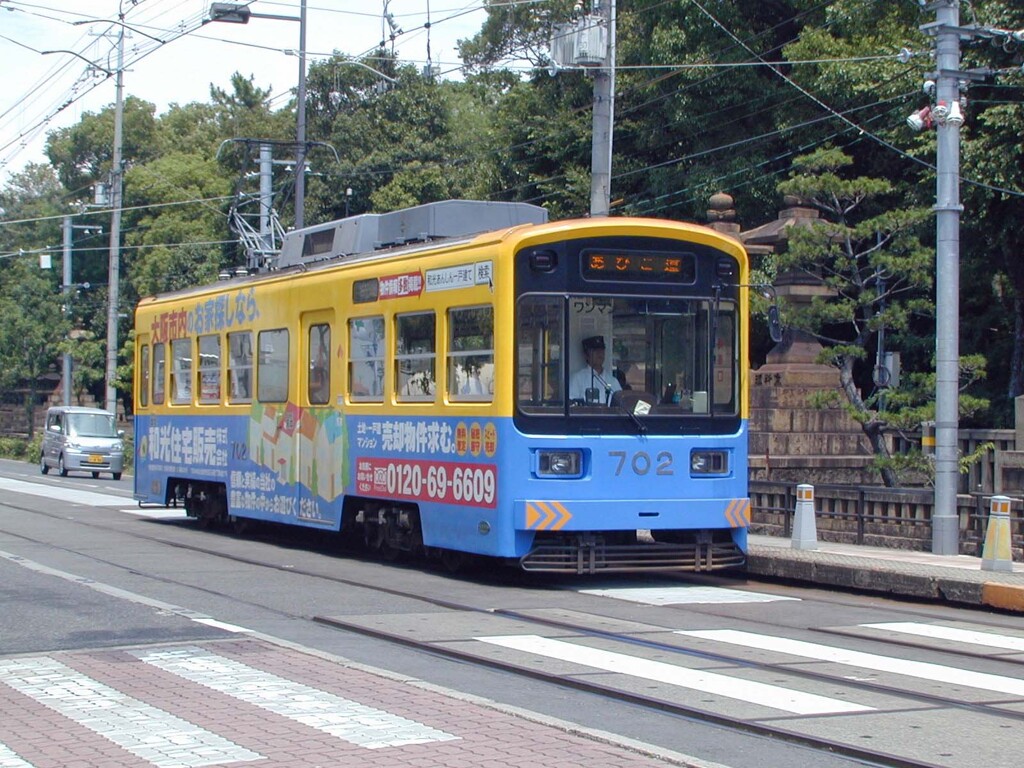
[876,516]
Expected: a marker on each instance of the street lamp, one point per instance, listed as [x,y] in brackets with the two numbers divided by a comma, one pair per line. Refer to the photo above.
[234,13]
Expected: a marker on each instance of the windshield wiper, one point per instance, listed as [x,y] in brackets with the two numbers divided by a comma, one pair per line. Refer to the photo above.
[641,405]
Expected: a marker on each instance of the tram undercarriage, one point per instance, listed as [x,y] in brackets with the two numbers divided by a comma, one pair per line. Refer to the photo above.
[611,552]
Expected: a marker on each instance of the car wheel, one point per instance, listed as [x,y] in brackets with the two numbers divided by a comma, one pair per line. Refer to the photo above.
[117,475]
[60,466]
[43,467]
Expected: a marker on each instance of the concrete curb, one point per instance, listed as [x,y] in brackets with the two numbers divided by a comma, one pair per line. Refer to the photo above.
[1008,597]
[885,577]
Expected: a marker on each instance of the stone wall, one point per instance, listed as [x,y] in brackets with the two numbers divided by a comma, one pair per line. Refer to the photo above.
[793,441]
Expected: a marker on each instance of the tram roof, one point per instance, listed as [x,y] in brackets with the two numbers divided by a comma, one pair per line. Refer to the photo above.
[427,227]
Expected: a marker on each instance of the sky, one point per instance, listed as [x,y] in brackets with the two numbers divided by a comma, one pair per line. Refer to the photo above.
[43,92]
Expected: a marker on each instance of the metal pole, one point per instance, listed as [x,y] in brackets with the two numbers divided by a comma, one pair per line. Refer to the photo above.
[945,518]
[266,197]
[66,295]
[113,276]
[300,128]
[604,120]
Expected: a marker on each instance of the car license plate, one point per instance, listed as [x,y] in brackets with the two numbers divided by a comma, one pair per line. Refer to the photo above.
[95,458]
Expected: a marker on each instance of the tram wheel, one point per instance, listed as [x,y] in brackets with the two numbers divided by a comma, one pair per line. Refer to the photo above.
[388,551]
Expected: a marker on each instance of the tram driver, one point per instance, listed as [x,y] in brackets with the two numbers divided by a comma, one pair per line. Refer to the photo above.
[593,384]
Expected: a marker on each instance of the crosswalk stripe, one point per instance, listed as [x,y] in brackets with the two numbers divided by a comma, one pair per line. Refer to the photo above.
[10,759]
[159,513]
[685,595]
[919,669]
[773,696]
[60,493]
[343,718]
[152,734]
[221,625]
[940,632]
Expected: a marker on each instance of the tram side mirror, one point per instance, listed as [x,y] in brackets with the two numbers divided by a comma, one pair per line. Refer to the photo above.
[774,323]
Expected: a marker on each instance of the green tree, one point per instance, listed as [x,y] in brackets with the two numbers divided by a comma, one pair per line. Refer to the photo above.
[877,95]
[412,141]
[866,252]
[88,361]
[82,153]
[31,332]
[30,301]
[992,169]
[33,198]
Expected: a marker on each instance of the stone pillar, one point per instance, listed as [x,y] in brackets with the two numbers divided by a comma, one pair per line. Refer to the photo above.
[790,439]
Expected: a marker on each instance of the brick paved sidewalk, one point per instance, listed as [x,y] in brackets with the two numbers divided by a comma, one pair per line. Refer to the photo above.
[247,700]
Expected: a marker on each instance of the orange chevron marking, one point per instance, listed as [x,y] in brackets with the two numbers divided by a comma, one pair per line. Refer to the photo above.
[564,516]
[549,515]
[738,513]
[545,515]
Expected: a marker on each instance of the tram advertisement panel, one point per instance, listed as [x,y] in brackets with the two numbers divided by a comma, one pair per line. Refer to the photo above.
[290,464]
[433,460]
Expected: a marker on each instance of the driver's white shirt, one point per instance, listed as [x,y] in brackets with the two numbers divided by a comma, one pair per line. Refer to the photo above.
[587,377]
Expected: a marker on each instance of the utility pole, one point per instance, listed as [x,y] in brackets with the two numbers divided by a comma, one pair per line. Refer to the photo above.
[588,42]
[114,271]
[947,115]
[239,13]
[66,288]
[604,116]
[266,198]
[300,127]
[945,516]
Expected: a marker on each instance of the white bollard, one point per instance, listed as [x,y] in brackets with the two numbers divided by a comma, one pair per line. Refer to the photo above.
[805,532]
[997,554]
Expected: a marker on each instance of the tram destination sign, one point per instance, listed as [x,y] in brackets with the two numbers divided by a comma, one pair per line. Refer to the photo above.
[639,266]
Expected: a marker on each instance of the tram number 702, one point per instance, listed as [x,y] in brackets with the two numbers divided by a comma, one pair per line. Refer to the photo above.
[641,462]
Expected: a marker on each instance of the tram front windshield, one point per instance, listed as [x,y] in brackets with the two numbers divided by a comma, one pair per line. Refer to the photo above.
[591,355]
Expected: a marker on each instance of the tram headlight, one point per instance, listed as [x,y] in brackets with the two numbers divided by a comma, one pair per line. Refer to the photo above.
[559,463]
[709,462]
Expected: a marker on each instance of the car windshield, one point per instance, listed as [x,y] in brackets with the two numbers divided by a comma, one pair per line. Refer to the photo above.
[91,425]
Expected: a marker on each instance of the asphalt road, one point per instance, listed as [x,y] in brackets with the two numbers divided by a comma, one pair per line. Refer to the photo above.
[83,571]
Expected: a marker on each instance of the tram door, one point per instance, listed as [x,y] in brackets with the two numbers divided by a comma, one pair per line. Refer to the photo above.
[318,442]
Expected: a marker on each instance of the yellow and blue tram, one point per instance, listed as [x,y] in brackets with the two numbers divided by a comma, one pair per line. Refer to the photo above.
[460,379]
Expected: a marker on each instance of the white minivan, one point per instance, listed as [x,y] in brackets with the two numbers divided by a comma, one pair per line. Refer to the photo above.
[83,440]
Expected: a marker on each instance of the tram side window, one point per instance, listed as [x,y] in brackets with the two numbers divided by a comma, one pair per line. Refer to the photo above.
[144,374]
[209,369]
[539,358]
[272,367]
[158,374]
[415,357]
[181,371]
[471,354]
[366,359]
[240,367]
[319,389]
